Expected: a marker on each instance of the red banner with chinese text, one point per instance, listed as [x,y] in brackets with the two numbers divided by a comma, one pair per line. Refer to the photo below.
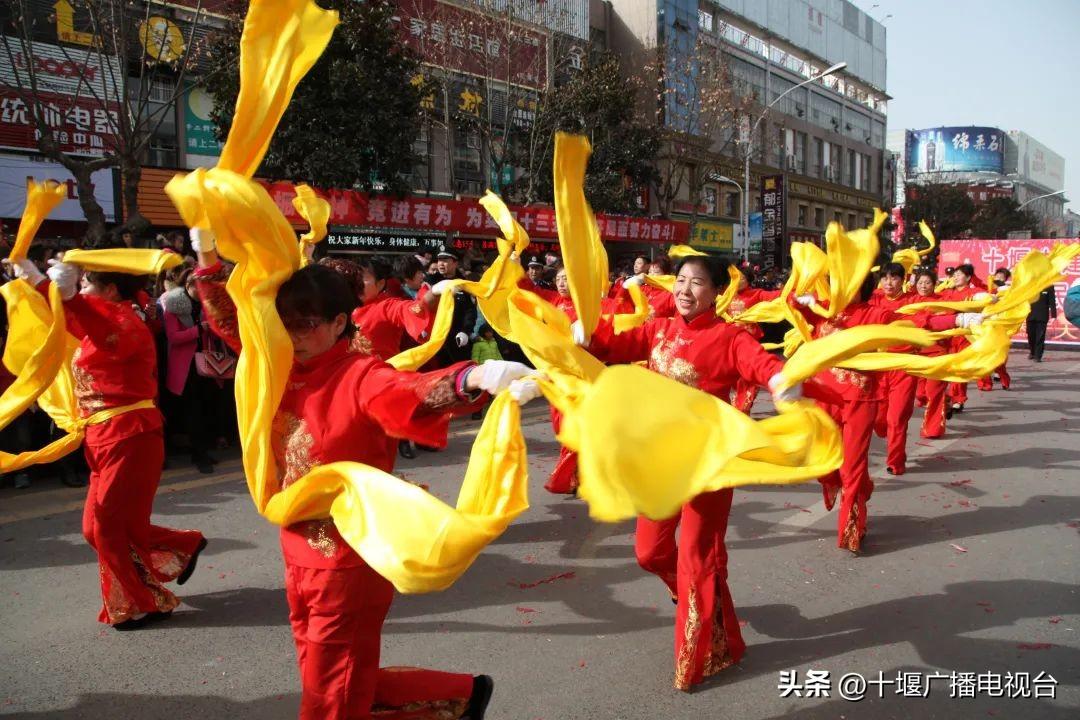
[989,255]
[357,209]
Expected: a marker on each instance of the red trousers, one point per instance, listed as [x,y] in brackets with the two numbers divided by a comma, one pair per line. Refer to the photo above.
[564,479]
[893,415]
[337,618]
[852,480]
[958,393]
[987,383]
[933,425]
[134,557]
[707,636]
[745,395]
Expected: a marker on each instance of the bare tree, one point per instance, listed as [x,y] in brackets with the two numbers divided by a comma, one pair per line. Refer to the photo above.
[697,109]
[131,65]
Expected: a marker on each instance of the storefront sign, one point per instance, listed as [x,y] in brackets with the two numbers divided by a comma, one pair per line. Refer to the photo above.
[712,236]
[772,221]
[16,169]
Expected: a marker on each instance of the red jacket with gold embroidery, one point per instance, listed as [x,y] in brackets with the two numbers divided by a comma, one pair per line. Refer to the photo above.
[746,299]
[115,365]
[381,325]
[566,304]
[705,353]
[344,405]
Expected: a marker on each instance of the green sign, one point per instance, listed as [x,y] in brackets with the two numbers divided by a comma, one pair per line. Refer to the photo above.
[199,136]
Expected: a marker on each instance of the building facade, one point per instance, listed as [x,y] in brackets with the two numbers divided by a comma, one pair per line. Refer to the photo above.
[823,143]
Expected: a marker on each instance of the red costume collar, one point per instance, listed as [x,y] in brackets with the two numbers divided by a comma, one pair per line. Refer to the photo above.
[336,352]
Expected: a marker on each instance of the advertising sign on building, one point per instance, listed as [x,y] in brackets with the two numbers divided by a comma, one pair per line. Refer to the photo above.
[1038,163]
[357,209]
[199,138]
[955,149]
[474,43]
[16,169]
[69,90]
[755,232]
[772,221]
[352,239]
[712,236]
[989,255]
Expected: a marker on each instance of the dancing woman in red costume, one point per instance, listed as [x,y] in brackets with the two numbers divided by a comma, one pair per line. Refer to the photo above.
[746,298]
[115,368]
[930,393]
[697,349]
[339,405]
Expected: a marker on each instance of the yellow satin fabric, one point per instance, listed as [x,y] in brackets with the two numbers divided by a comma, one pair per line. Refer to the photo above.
[134,261]
[415,541]
[584,255]
[316,212]
[41,198]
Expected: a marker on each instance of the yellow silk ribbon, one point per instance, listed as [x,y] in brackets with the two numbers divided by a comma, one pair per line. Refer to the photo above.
[133,261]
[41,198]
[419,544]
[316,212]
[583,254]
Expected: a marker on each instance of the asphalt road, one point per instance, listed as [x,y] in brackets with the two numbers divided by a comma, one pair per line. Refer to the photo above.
[972,566]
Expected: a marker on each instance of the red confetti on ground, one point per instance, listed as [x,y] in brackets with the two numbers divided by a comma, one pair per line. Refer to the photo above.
[581,664]
[958,548]
[525,609]
[958,483]
[924,443]
[553,578]
[965,503]
[1035,646]
[1055,620]
[744,623]
[983,603]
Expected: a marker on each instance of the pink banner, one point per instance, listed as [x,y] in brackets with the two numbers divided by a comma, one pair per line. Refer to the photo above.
[989,255]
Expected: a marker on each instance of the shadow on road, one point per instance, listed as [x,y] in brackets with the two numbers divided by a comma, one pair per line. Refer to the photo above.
[170,707]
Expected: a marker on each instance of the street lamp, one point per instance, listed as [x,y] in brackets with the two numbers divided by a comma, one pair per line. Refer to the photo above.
[750,145]
[1056,192]
[742,198]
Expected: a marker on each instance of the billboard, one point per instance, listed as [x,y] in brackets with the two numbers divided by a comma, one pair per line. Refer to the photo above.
[712,236]
[955,149]
[1038,163]
[772,221]
[989,255]
[15,170]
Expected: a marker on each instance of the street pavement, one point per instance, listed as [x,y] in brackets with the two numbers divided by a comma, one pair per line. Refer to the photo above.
[971,566]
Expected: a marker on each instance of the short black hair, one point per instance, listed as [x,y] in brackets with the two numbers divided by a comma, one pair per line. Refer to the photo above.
[353,274]
[893,270]
[926,272]
[127,285]
[407,266]
[317,291]
[663,262]
[967,268]
[715,267]
[1004,271]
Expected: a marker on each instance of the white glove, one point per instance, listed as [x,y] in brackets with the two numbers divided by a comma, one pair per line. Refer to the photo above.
[66,278]
[27,269]
[633,280]
[497,375]
[968,320]
[202,239]
[524,390]
[577,330]
[982,296]
[806,300]
[791,394]
[441,287]
[461,339]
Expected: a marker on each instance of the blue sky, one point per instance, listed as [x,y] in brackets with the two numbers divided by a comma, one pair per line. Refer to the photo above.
[1011,65]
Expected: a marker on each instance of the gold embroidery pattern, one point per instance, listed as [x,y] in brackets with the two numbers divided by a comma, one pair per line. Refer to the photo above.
[850,377]
[851,538]
[89,399]
[431,710]
[736,307]
[119,606]
[319,538]
[297,443]
[360,344]
[415,308]
[719,654]
[684,663]
[663,360]
[440,394]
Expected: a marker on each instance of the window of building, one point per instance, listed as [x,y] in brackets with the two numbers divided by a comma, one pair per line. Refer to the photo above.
[800,152]
[851,221]
[852,178]
[731,204]
[801,222]
[836,216]
[819,217]
[818,158]
[864,163]
[825,112]
[708,199]
[468,177]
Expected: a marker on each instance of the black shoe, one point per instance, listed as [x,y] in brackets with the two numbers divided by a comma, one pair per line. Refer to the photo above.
[133,623]
[890,471]
[405,450]
[427,448]
[190,568]
[482,687]
[204,464]
[22,481]
[948,412]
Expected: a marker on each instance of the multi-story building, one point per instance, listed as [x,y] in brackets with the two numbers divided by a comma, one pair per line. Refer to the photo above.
[988,163]
[821,147]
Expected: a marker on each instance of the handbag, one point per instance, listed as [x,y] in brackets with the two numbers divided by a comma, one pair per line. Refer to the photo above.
[215,361]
